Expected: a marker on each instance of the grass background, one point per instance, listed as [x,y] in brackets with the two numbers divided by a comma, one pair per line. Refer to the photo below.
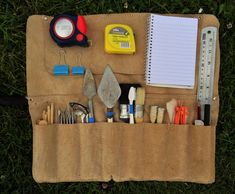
[15,125]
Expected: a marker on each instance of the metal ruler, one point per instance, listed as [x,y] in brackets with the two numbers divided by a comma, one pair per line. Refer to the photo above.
[206,71]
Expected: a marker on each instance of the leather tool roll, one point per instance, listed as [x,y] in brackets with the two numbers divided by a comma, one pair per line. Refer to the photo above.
[103,151]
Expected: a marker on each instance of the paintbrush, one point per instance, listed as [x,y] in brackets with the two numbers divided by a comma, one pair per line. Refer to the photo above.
[139,105]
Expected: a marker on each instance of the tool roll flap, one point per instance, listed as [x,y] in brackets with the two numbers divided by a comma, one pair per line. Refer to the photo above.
[103,151]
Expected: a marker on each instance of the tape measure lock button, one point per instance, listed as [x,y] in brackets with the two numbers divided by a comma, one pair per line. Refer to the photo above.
[79,37]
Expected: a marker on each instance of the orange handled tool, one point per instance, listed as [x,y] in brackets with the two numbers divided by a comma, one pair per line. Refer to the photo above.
[181,114]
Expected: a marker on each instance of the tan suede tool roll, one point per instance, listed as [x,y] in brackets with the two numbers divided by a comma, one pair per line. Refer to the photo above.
[103,151]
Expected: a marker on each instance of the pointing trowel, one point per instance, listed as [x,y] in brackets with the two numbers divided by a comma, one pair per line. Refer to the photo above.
[89,91]
[109,91]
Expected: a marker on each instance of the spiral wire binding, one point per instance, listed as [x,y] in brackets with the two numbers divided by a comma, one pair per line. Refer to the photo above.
[148,51]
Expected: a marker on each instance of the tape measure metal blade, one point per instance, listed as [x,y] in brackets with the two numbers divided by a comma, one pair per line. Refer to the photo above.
[206,66]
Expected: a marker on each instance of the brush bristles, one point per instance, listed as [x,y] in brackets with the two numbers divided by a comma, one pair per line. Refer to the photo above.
[140,96]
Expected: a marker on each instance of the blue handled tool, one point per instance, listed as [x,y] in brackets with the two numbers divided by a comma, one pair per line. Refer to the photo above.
[109,92]
[89,91]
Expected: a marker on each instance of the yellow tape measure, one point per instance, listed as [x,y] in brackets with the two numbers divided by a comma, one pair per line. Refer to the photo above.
[119,39]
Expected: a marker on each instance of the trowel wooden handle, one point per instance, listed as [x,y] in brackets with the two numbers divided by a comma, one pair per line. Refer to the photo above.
[110,120]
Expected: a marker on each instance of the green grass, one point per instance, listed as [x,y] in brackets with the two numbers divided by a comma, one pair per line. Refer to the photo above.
[15,124]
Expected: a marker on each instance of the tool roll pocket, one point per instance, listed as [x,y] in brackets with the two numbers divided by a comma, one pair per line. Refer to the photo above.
[101,151]
[69,152]
[120,151]
[166,152]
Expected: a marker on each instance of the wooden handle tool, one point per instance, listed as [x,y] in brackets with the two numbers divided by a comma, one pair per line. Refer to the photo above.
[139,105]
[48,114]
[43,121]
[153,114]
[160,115]
[170,106]
[52,113]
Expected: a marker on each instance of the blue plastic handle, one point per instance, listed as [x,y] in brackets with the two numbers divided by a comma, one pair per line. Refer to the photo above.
[91,120]
[109,114]
[131,109]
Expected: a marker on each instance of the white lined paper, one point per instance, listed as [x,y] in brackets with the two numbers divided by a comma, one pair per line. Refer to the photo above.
[171,51]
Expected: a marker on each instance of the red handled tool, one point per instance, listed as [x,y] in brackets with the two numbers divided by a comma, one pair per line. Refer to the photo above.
[69,30]
[181,113]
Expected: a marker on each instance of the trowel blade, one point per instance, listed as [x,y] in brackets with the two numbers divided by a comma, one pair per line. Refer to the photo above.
[109,90]
[89,87]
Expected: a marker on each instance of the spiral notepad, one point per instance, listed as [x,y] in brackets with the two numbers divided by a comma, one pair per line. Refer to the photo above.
[171,51]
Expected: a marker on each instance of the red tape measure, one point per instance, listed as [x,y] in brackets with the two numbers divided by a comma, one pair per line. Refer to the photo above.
[69,30]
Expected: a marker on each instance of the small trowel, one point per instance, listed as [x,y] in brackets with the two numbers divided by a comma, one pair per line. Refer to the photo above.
[109,91]
[89,91]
